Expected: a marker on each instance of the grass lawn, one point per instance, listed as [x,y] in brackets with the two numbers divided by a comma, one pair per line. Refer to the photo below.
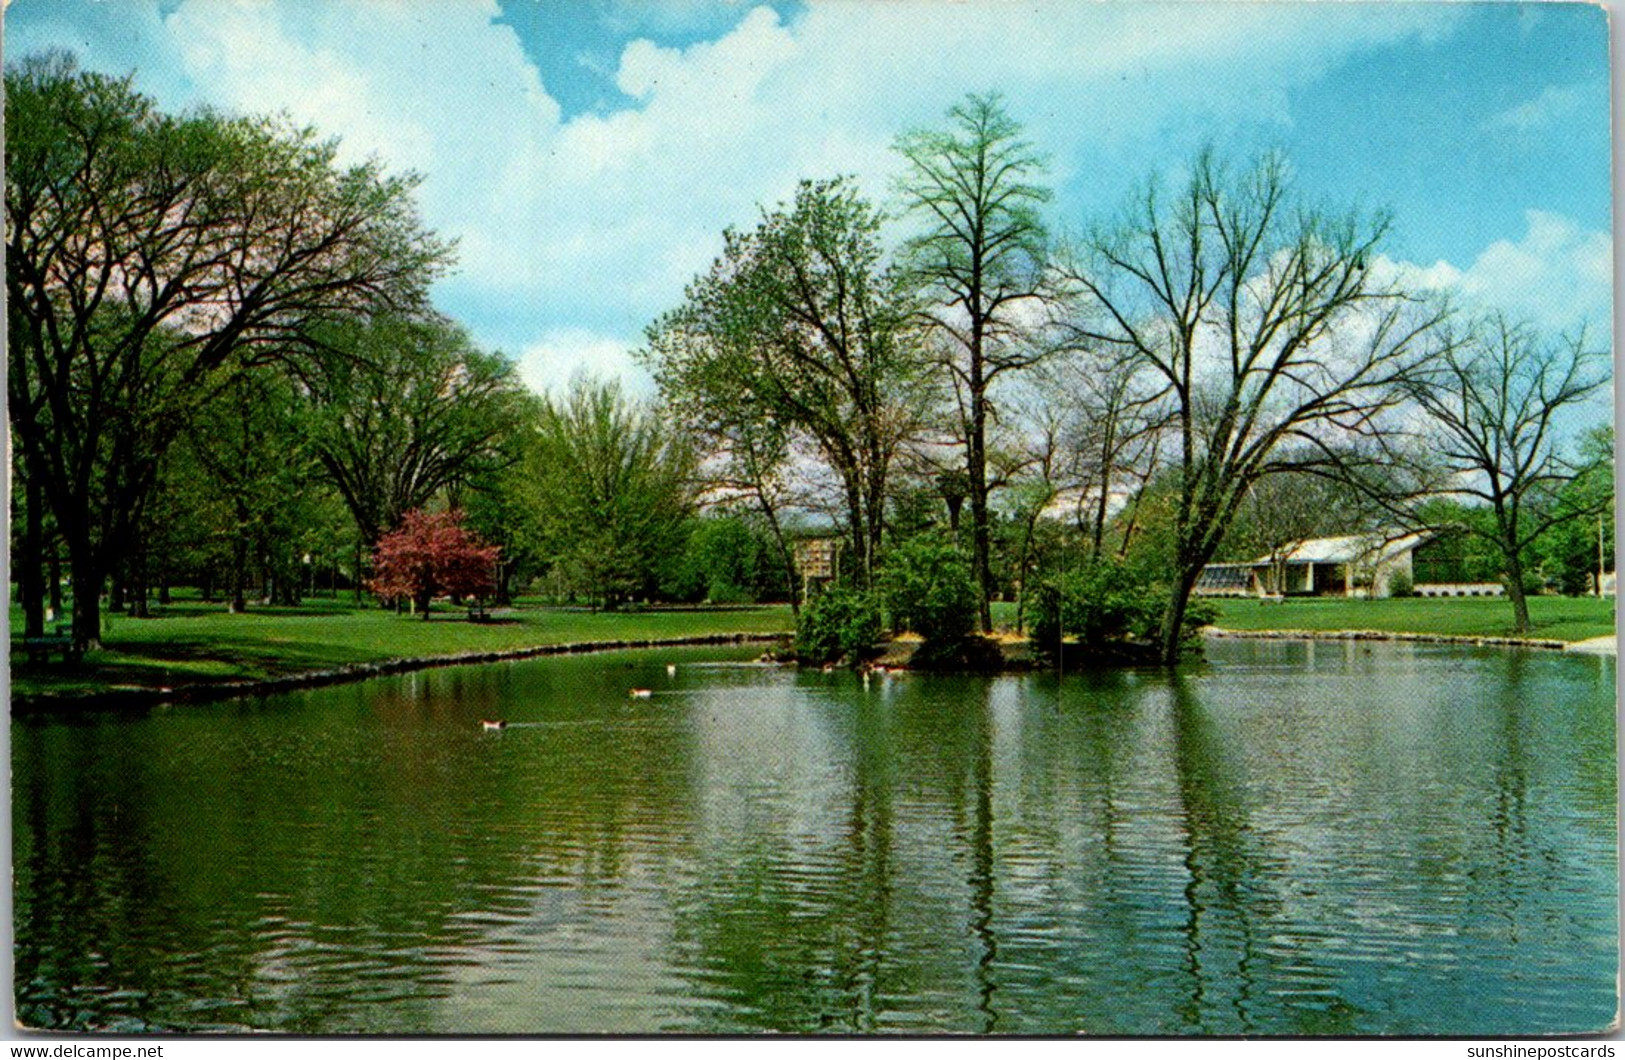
[1553,617]
[191,641]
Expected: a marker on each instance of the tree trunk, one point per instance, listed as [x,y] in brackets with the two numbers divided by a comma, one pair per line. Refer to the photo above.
[1520,604]
[877,526]
[30,586]
[1100,514]
[138,583]
[504,593]
[1173,619]
[854,514]
[786,554]
[1022,571]
[53,582]
[87,599]
[976,469]
[135,565]
[239,577]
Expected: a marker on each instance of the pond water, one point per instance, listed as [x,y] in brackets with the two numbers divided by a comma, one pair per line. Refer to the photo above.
[1293,838]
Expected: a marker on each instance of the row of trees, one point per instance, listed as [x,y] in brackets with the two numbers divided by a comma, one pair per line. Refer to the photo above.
[153,261]
[225,371]
[1218,342]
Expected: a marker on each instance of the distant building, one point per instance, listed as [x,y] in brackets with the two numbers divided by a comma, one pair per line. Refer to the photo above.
[1352,565]
[818,561]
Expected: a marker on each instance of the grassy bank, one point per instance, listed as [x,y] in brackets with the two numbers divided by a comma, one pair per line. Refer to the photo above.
[190,642]
[1553,617]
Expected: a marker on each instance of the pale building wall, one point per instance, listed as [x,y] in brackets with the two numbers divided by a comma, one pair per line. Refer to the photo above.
[1383,577]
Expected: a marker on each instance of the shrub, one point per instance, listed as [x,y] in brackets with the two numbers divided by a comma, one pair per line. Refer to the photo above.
[927,588]
[1400,585]
[838,623]
[1106,605]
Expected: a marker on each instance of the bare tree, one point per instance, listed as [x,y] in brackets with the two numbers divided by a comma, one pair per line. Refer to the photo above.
[1034,483]
[1284,510]
[745,455]
[1113,412]
[1265,328]
[1496,400]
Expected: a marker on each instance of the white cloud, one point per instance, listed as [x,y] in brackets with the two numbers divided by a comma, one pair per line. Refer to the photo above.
[1554,103]
[591,227]
[550,364]
[1558,275]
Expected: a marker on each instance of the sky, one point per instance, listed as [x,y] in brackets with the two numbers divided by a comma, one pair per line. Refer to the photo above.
[588,154]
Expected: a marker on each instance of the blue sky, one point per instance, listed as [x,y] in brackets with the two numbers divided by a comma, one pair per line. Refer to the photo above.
[588,153]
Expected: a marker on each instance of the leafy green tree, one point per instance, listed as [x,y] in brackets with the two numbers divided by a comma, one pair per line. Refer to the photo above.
[1462,548]
[1108,606]
[260,471]
[725,561]
[501,508]
[1580,547]
[29,542]
[145,254]
[800,324]
[1494,395]
[613,484]
[405,407]
[981,263]
[746,457]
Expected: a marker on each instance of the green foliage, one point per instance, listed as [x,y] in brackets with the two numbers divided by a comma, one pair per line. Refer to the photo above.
[725,561]
[839,623]
[927,588]
[1400,585]
[402,407]
[1104,603]
[979,258]
[801,325]
[979,167]
[1568,552]
[1465,548]
[612,489]
[234,234]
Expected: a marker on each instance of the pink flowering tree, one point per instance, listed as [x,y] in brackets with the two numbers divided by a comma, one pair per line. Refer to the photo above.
[431,555]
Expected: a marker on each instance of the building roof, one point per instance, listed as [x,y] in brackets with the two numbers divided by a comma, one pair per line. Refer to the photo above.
[1376,547]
